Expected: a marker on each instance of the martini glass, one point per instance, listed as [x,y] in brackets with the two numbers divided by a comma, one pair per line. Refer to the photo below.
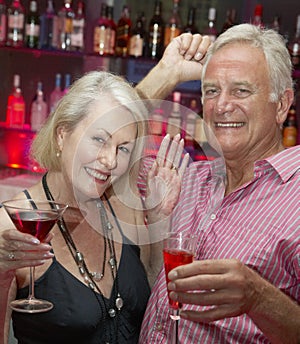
[36,218]
[178,249]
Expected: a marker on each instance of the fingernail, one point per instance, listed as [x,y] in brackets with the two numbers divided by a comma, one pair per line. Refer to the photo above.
[48,255]
[35,241]
[171,286]
[198,56]
[173,274]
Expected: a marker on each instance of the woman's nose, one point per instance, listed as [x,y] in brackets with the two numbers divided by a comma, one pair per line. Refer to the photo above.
[108,157]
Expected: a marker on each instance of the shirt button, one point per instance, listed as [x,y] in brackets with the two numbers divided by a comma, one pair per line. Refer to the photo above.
[159,327]
[213,216]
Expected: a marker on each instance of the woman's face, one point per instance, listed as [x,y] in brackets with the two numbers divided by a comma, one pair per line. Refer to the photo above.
[98,151]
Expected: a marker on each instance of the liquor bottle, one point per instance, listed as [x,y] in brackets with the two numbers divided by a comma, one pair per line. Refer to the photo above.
[190,122]
[110,32]
[210,29]
[32,27]
[67,84]
[65,25]
[3,22]
[258,13]
[275,25]
[294,45]
[190,24]
[289,132]
[156,122]
[49,28]
[174,119]
[39,109]
[100,39]
[173,27]
[230,19]
[156,33]
[56,94]
[15,24]
[15,112]
[123,33]
[137,40]
[77,35]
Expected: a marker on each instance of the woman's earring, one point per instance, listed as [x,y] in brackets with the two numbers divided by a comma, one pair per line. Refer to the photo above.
[58,154]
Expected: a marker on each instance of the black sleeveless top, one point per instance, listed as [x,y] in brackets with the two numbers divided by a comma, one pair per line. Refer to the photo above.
[77,316]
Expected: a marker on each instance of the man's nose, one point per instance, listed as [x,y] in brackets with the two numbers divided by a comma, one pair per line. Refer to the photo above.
[224,103]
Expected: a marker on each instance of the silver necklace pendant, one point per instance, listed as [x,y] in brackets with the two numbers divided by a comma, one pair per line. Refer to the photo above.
[97,276]
[119,302]
[112,312]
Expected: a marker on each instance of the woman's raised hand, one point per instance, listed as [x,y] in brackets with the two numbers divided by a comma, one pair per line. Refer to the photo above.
[164,178]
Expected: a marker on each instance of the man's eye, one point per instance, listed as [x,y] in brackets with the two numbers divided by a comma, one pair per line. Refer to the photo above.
[242,92]
[210,93]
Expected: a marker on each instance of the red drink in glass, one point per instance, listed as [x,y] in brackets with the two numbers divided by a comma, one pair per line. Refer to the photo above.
[173,258]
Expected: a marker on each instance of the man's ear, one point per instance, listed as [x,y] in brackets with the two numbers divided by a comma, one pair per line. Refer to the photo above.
[284,105]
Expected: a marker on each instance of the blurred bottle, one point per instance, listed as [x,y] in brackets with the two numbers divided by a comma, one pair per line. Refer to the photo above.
[77,35]
[100,40]
[190,122]
[173,27]
[290,131]
[174,118]
[294,45]
[32,27]
[49,28]
[65,25]
[210,29]
[191,19]
[123,33]
[275,25]
[67,84]
[230,19]
[15,24]
[15,111]
[3,22]
[258,16]
[156,33]
[39,109]
[110,31]
[156,122]
[137,42]
[56,94]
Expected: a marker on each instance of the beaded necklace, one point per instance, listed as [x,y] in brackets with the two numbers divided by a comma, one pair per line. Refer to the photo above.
[91,277]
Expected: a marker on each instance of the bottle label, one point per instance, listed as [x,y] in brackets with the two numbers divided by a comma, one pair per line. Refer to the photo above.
[99,39]
[136,46]
[32,30]
[77,34]
[16,21]
[2,27]
[170,33]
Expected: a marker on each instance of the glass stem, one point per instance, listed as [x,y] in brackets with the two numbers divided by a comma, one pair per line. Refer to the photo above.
[174,315]
[31,283]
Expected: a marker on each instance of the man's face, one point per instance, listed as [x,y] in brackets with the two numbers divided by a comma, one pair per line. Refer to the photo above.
[236,102]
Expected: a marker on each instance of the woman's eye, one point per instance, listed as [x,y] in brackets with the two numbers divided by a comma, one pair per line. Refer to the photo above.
[99,139]
[124,149]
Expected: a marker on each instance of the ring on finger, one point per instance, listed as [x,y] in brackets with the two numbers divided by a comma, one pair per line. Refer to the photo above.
[11,256]
[174,168]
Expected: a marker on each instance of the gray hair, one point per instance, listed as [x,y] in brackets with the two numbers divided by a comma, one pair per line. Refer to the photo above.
[272,45]
[74,107]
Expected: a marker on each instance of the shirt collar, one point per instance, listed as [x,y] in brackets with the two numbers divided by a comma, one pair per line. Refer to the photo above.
[286,163]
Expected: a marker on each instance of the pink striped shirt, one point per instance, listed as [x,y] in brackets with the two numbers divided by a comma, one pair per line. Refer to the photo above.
[258,224]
